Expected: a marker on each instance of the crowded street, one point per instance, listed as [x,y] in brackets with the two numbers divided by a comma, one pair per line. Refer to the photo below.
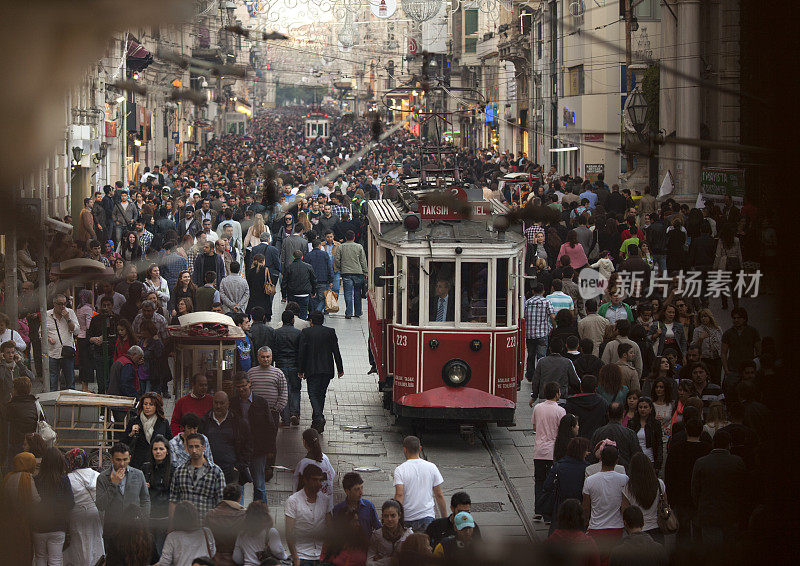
[312,283]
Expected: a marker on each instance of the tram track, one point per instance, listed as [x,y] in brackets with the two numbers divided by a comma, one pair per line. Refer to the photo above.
[497,462]
[513,494]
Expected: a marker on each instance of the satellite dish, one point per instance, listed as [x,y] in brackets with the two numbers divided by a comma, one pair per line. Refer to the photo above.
[383,8]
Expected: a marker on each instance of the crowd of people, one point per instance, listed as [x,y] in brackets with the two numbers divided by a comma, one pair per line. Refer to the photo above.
[650,414]
[645,408]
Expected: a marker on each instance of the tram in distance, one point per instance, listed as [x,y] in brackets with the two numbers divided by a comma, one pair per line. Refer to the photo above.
[445,306]
[316,126]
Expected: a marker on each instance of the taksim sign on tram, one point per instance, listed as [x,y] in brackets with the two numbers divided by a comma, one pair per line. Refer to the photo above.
[479,209]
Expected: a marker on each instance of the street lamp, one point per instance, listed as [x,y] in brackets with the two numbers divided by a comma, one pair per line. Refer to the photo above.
[637,108]
[77,153]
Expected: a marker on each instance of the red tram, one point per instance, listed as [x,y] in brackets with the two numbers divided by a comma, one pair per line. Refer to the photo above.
[445,308]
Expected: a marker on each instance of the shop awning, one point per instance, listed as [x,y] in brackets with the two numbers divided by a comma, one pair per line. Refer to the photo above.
[138,58]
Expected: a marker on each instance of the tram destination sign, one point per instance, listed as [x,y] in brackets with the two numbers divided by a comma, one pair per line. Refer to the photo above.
[479,209]
[443,211]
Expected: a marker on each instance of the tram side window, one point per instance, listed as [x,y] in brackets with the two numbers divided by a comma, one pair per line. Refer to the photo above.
[501,300]
[412,288]
[389,302]
[441,291]
[474,291]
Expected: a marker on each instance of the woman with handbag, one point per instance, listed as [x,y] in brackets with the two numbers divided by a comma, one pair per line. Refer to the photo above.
[158,471]
[51,516]
[262,282]
[188,539]
[645,491]
[85,526]
[565,479]
[149,423]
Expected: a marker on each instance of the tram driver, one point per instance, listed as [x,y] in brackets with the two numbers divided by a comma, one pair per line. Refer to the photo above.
[442,304]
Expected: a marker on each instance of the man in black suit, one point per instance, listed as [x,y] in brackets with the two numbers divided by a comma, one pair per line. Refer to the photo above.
[318,349]
[442,305]
[718,490]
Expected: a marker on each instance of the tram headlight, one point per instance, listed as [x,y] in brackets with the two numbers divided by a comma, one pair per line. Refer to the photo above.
[456,373]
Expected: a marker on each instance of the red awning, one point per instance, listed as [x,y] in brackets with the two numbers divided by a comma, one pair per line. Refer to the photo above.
[138,58]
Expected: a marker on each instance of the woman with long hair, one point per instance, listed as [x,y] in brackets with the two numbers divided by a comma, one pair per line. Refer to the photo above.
[258,539]
[609,384]
[708,336]
[648,431]
[676,245]
[129,247]
[184,287]
[314,455]
[158,471]
[643,490]
[85,525]
[130,542]
[631,404]
[686,390]
[253,237]
[155,283]
[257,276]
[345,544]
[565,479]
[84,312]
[119,267]
[19,496]
[609,237]
[663,403]
[570,538]
[188,539]
[668,333]
[386,540]
[182,307]
[728,258]
[567,430]
[149,423]
[133,304]
[126,338]
[574,250]
[716,418]
[51,516]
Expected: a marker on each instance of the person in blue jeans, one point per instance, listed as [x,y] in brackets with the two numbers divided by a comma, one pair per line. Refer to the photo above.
[318,259]
[351,260]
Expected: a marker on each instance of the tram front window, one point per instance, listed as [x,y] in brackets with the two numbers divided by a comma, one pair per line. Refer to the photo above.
[442,299]
[474,291]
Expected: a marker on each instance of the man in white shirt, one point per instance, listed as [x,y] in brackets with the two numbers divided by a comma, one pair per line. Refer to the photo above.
[62,327]
[306,514]
[418,486]
[602,498]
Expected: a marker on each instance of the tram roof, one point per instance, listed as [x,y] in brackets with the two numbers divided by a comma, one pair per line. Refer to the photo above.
[386,219]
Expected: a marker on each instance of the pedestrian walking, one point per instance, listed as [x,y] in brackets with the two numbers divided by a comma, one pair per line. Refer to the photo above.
[287,344]
[318,350]
[62,328]
[197,481]
[229,437]
[120,488]
[306,514]
[85,525]
[351,261]
[539,319]
[418,487]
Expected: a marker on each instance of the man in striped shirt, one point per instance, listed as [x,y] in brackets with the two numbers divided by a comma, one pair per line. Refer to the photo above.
[559,299]
[268,382]
[539,318]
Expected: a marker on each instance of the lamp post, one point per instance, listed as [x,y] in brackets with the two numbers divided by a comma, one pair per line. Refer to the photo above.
[637,108]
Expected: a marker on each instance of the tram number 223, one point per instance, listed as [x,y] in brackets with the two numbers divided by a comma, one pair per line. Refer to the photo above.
[511,341]
[401,340]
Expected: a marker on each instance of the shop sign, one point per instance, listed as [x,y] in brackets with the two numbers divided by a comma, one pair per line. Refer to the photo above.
[592,170]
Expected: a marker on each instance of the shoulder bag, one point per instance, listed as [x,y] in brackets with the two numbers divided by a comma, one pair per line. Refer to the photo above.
[67,352]
[269,286]
[43,428]
[667,521]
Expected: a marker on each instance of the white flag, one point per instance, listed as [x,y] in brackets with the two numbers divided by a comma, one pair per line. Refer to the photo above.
[667,186]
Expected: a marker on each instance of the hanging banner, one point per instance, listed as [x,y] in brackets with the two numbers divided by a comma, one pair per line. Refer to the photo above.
[383,8]
[718,182]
